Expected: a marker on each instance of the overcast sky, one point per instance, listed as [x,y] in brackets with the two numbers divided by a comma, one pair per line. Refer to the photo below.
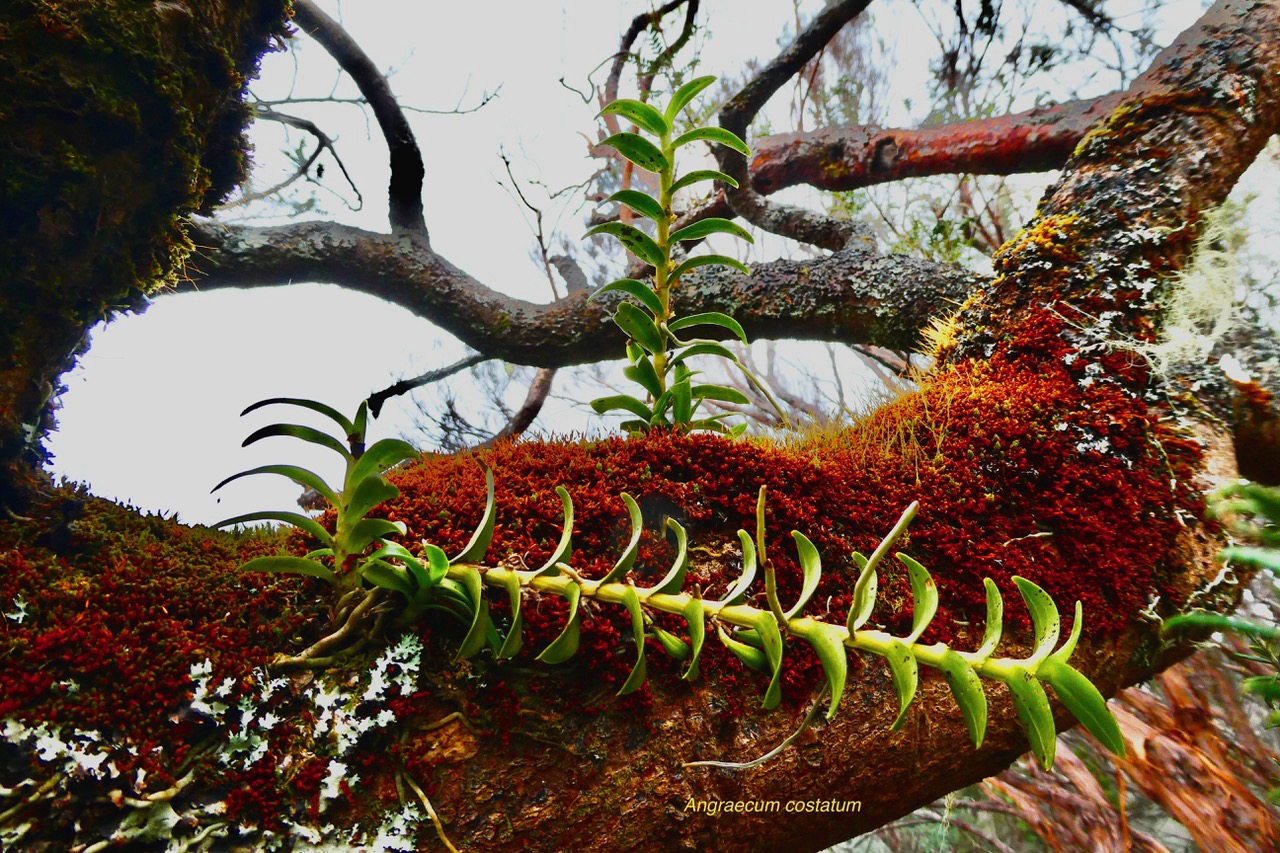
[151,415]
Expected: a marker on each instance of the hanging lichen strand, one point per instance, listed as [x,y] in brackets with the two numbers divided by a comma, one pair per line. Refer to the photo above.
[755,636]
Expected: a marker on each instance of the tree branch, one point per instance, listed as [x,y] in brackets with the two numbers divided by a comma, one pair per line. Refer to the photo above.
[404,193]
[853,296]
[787,220]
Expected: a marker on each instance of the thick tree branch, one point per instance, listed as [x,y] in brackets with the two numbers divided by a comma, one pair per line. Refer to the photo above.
[853,296]
[405,190]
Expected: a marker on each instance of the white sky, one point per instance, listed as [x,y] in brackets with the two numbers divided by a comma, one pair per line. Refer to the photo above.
[151,415]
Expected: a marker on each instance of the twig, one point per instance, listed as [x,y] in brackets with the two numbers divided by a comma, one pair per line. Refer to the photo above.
[735,765]
[426,804]
[404,386]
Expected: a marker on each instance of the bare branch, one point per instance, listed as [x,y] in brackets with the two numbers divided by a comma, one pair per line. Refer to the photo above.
[638,25]
[787,220]
[325,143]
[405,190]
[404,386]
[524,417]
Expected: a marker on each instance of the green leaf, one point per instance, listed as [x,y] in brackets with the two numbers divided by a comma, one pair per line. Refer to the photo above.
[710,318]
[437,564]
[995,622]
[749,655]
[636,241]
[1083,700]
[565,545]
[632,602]
[365,531]
[681,402]
[640,114]
[1034,714]
[826,641]
[638,150]
[906,677]
[924,593]
[864,595]
[628,558]
[702,175]
[1064,651]
[704,228]
[703,348]
[685,94]
[767,627]
[512,642]
[301,476]
[722,393]
[718,135]
[1044,619]
[1262,558]
[328,411]
[622,401]
[297,519]
[968,692]
[675,647]
[483,534]
[641,291]
[1215,622]
[565,645]
[290,565]
[418,573]
[696,618]
[707,260]
[674,579]
[811,566]
[382,574]
[748,576]
[642,203]
[640,327]
[380,456]
[474,586]
[359,427]
[643,374]
[368,493]
[306,433]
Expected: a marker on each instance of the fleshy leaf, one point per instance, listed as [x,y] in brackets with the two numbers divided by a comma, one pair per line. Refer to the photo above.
[305,523]
[702,175]
[767,627]
[631,287]
[704,228]
[906,677]
[365,531]
[306,433]
[1083,700]
[637,242]
[513,641]
[368,493]
[1034,714]
[474,641]
[718,135]
[301,476]
[642,203]
[640,327]
[382,574]
[640,114]
[864,595]
[380,456]
[483,535]
[1044,619]
[723,393]
[632,602]
[708,260]
[703,348]
[696,618]
[622,401]
[925,597]
[748,576]
[749,655]
[561,554]
[643,374]
[328,411]
[638,150]
[675,577]
[995,622]
[290,565]
[685,94]
[710,318]
[675,647]
[565,645]
[826,641]
[811,566]
[969,695]
[628,558]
